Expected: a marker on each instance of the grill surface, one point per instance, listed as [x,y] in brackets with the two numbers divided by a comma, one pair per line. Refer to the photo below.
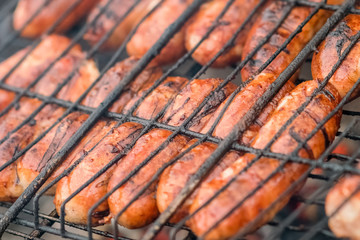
[31,222]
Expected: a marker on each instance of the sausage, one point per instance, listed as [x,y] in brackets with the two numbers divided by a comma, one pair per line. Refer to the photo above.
[232,20]
[11,188]
[175,177]
[48,115]
[65,187]
[112,14]
[153,27]
[330,51]
[144,210]
[38,60]
[158,98]
[191,97]
[77,208]
[344,222]
[242,103]
[266,22]
[49,14]
[113,77]
[246,182]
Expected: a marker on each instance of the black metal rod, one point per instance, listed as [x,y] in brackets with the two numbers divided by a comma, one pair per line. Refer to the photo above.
[29,192]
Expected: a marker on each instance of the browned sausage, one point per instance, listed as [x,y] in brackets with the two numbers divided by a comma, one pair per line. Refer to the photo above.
[77,208]
[266,22]
[191,97]
[153,27]
[298,130]
[225,30]
[113,77]
[113,13]
[164,91]
[330,51]
[345,221]
[159,97]
[175,177]
[241,104]
[48,115]
[144,210]
[49,14]
[40,58]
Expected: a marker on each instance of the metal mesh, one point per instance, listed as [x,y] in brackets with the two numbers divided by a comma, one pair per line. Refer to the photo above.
[38,224]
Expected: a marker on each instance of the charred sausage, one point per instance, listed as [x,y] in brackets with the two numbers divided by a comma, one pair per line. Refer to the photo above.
[330,51]
[266,22]
[245,182]
[153,27]
[175,177]
[144,210]
[191,97]
[113,13]
[49,14]
[38,60]
[241,104]
[232,20]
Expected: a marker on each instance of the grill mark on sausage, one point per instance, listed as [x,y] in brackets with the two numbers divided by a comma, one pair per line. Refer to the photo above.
[298,139]
[174,112]
[210,107]
[323,130]
[55,143]
[328,94]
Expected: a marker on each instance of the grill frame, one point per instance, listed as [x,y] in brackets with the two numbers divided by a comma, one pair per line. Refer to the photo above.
[224,145]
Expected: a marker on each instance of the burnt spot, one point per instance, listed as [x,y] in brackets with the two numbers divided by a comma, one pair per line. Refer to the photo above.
[100,214]
[209,107]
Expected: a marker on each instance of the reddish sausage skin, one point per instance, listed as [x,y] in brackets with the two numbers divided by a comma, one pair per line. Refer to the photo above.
[320,107]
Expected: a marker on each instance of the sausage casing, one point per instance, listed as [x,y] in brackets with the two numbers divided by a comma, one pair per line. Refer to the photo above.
[330,51]
[113,13]
[246,182]
[49,14]
[153,27]
[232,20]
[144,210]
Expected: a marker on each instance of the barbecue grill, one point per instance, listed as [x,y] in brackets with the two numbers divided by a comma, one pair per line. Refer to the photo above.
[28,218]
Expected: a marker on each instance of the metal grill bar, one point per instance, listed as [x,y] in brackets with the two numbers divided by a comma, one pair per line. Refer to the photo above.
[40,179]
[182,129]
[246,121]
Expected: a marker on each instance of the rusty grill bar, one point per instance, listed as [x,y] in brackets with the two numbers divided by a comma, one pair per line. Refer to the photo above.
[45,226]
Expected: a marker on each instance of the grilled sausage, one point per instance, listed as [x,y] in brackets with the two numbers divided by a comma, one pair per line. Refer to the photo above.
[113,13]
[112,78]
[175,177]
[153,27]
[344,199]
[164,91]
[191,97]
[49,14]
[184,103]
[158,98]
[246,182]
[266,22]
[47,116]
[38,156]
[330,51]
[241,104]
[144,210]
[37,61]
[77,208]
[225,30]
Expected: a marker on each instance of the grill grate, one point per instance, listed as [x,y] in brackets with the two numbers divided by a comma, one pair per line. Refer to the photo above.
[44,223]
